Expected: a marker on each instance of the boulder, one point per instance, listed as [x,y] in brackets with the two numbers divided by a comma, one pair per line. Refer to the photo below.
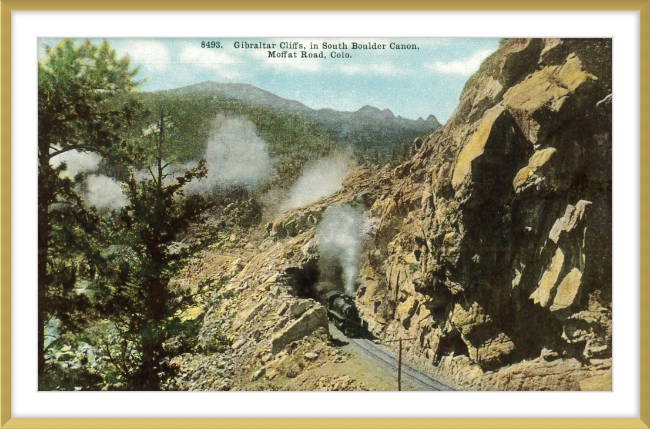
[542,294]
[533,173]
[248,315]
[476,145]
[258,374]
[238,344]
[299,307]
[52,331]
[493,351]
[548,88]
[567,290]
[308,323]
[572,217]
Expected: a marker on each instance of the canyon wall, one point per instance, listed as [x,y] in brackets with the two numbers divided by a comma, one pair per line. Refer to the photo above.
[494,247]
[491,245]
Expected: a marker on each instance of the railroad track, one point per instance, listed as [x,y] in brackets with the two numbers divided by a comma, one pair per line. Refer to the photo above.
[417,378]
[382,358]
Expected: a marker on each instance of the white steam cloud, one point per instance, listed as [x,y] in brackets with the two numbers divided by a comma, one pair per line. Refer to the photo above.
[77,162]
[318,180]
[101,191]
[340,235]
[104,192]
[235,155]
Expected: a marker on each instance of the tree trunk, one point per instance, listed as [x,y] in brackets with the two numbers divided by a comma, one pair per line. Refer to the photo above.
[44,227]
[43,241]
[147,377]
[41,338]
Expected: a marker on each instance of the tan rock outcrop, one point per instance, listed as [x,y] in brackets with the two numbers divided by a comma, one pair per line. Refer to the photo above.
[308,323]
[506,251]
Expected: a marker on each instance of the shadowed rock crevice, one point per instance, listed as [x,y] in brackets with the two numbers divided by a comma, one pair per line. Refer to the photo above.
[303,280]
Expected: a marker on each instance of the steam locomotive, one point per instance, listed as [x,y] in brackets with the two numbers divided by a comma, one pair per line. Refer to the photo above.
[343,313]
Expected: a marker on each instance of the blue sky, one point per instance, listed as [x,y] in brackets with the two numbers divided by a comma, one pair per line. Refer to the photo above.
[412,83]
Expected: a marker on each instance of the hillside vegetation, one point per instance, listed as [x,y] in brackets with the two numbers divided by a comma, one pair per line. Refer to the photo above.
[295,133]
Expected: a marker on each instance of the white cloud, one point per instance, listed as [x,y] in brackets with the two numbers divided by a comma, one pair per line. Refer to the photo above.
[314,65]
[294,64]
[205,57]
[318,180]
[40,52]
[153,54]
[213,59]
[434,42]
[77,162]
[235,155]
[370,69]
[105,193]
[462,67]
[255,56]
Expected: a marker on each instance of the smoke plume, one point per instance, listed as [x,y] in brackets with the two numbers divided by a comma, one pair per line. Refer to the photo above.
[318,180]
[104,192]
[77,162]
[235,155]
[340,235]
[100,191]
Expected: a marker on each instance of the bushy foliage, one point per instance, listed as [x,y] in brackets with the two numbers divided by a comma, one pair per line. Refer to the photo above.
[134,291]
[75,85]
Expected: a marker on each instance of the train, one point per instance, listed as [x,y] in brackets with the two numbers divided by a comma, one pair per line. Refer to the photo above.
[343,312]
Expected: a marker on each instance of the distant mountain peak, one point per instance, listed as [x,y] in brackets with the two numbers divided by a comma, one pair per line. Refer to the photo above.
[243,92]
[251,94]
[368,108]
[371,111]
[432,120]
[368,120]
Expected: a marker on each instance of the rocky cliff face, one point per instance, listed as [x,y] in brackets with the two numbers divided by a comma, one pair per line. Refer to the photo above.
[495,241]
[263,328]
[491,245]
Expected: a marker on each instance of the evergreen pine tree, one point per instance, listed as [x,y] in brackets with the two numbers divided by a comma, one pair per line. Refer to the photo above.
[136,294]
[75,85]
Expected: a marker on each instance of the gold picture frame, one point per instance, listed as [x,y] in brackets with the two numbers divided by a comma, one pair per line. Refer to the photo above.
[642,7]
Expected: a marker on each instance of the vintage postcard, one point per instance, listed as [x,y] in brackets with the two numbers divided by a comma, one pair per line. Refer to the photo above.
[324,214]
